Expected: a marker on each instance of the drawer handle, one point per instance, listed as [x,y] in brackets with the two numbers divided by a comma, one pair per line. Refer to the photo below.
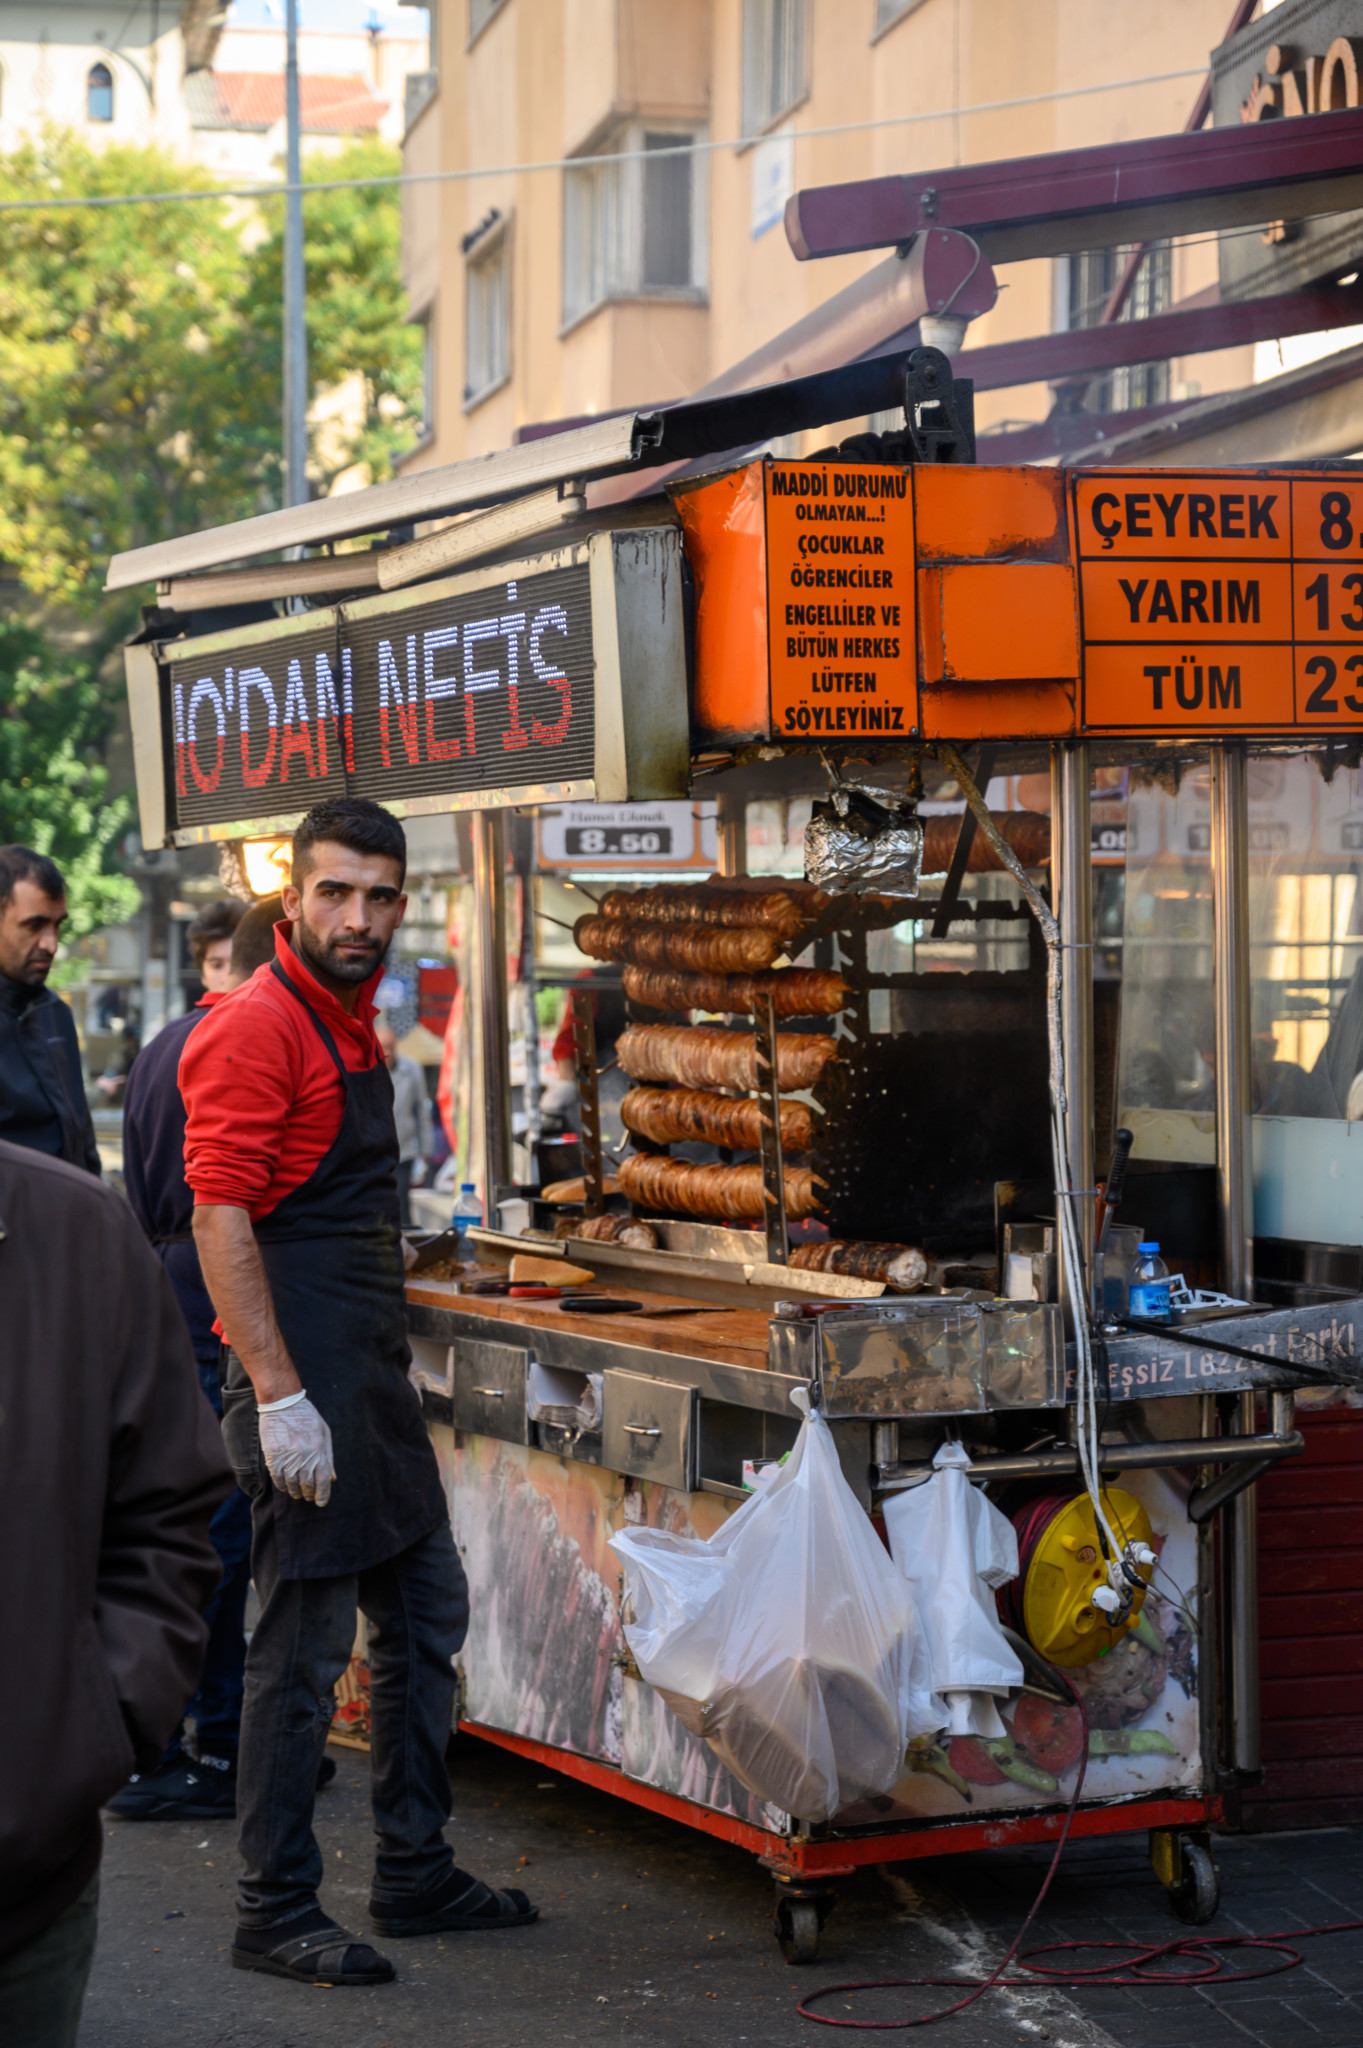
[637,1429]
[493,1393]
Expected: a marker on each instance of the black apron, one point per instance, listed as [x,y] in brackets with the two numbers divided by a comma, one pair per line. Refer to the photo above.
[332,1252]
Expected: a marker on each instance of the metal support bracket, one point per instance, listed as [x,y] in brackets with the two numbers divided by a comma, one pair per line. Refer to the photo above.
[940,420]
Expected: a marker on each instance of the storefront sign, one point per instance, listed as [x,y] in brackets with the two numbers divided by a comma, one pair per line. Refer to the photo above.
[496,687]
[1215,601]
[630,837]
[840,598]
[1298,59]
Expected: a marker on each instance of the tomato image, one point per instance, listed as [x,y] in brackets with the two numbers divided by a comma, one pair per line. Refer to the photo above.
[1050,1733]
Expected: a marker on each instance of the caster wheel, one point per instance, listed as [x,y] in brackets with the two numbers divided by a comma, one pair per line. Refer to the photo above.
[1195,1898]
[798,1929]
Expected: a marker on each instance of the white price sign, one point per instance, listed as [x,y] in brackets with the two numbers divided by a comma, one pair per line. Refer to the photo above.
[627,836]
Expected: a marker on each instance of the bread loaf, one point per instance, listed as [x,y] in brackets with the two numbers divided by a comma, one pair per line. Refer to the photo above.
[899,1266]
[782,909]
[671,1115]
[692,947]
[794,991]
[720,1194]
[699,1057]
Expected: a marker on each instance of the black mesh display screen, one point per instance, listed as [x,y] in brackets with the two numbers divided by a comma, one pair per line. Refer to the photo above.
[491,689]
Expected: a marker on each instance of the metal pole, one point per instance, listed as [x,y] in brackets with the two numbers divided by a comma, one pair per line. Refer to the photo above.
[1235,1206]
[1072,895]
[295,330]
[494,1049]
[1230,973]
[731,822]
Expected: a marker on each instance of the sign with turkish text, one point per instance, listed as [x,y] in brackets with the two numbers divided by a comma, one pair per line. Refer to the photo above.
[1219,602]
[467,691]
[627,836]
[841,611]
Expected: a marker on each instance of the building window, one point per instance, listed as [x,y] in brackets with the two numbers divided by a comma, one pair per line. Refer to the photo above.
[487,324]
[888,12]
[773,60]
[480,14]
[426,322]
[633,228]
[1092,275]
[99,93]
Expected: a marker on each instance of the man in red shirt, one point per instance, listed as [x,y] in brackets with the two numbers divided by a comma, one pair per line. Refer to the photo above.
[291,1151]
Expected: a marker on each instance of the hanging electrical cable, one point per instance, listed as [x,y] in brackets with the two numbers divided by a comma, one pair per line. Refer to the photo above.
[1124,1560]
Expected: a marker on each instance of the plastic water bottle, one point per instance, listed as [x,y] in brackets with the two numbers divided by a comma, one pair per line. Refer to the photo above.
[469,1210]
[1149,1286]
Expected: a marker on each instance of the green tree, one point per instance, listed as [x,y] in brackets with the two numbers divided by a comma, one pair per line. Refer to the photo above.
[356,310]
[54,787]
[133,402]
[140,391]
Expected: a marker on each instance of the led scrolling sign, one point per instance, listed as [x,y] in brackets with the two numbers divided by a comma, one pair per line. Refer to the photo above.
[482,689]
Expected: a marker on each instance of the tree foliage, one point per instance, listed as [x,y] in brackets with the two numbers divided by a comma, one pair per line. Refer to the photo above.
[54,788]
[140,397]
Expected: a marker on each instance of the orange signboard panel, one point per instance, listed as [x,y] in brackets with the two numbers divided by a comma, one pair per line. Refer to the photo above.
[1159,514]
[1203,689]
[850,601]
[841,616]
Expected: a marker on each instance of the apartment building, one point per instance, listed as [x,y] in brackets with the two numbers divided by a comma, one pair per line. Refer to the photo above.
[626,272]
[202,79]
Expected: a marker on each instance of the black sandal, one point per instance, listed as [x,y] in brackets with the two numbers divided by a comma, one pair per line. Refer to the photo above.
[475,1909]
[325,1956]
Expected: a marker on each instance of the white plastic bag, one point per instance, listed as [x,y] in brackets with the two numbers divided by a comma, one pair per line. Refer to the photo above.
[954,1548]
[788,1641]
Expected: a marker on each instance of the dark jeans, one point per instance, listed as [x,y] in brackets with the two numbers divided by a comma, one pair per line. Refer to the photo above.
[216,1706]
[417,1607]
[42,1984]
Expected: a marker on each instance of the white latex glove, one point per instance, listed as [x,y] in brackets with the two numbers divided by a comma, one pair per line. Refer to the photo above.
[297,1447]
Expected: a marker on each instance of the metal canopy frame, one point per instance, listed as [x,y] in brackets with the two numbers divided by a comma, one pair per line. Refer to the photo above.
[1072,199]
[680,433]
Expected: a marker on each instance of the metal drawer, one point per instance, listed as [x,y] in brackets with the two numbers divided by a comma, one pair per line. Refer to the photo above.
[430,1367]
[646,1428]
[487,1388]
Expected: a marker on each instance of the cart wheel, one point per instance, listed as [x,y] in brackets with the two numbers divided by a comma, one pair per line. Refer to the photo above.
[798,1930]
[1197,1895]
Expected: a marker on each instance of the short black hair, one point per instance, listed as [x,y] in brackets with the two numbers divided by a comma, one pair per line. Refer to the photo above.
[351,821]
[22,864]
[253,939]
[214,922]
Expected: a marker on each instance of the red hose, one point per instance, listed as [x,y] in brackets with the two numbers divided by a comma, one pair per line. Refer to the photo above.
[1137,1971]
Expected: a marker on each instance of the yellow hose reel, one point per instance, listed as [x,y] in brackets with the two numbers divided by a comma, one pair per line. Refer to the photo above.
[1066,1568]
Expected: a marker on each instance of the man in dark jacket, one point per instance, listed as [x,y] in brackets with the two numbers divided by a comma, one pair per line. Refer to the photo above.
[111,1466]
[42,1086]
[202,1786]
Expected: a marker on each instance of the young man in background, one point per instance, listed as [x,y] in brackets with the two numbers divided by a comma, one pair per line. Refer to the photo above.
[202,1786]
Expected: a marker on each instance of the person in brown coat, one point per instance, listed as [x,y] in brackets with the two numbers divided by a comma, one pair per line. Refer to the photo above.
[111,1466]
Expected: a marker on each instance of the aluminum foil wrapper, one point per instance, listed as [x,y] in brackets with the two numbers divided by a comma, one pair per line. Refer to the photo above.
[848,862]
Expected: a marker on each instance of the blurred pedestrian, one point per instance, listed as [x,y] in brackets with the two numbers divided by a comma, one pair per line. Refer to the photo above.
[42,1080]
[210,942]
[411,1114]
[111,1467]
[202,1786]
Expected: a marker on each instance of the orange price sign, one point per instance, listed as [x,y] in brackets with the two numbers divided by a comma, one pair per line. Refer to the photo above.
[841,610]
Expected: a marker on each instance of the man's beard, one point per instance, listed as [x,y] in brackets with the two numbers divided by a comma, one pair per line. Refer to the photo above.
[32,972]
[324,955]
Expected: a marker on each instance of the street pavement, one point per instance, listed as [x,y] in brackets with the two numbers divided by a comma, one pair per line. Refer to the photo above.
[652,1936]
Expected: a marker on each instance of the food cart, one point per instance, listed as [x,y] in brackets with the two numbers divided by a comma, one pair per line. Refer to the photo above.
[887,637]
